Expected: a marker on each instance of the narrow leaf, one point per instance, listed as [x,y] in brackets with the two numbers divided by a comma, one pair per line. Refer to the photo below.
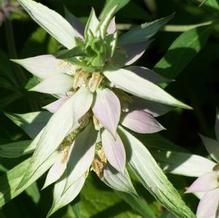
[32,123]
[15,149]
[144,32]
[182,51]
[152,177]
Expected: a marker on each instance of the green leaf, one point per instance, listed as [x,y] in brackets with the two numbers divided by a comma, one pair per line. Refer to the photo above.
[211,3]
[51,21]
[117,4]
[182,51]
[152,177]
[144,32]
[138,204]
[140,87]
[10,180]
[33,192]
[32,122]
[15,149]
[98,201]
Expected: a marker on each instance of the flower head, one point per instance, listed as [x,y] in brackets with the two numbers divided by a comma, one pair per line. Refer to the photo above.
[97,92]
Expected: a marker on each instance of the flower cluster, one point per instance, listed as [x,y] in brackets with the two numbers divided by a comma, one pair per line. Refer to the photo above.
[98,94]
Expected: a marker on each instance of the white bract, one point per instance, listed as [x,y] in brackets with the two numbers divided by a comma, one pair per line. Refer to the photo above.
[95,94]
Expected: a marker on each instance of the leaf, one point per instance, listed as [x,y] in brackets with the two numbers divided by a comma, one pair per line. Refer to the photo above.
[15,149]
[33,192]
[152,177]
[10,181]
[182,163]
[31,123]
[182,51]
[51,21]
[211,3]
[96,200]
[118,4]
[66,119]
[138,204]
[144,32]
[136,85]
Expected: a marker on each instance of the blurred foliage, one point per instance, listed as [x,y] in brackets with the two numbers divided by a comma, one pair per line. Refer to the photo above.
[192,60]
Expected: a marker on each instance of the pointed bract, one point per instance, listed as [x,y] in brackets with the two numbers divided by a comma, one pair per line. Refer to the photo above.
[112,27]
[107,109]
[58,84]
[136,85]
[45,66]
[92,24]
[114,150]
[82,155]
[59,167]
[141,122]
[118,181]
[51,21]
[61,197]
